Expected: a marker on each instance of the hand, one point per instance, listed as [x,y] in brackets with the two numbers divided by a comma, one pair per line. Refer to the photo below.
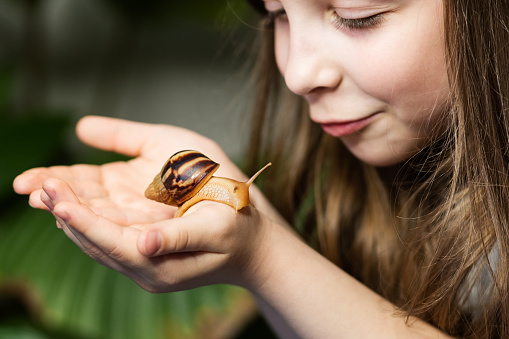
[103,210]
[115,190]
[210,244]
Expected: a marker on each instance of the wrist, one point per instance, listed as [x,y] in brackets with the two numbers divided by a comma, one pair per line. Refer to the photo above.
[277,249]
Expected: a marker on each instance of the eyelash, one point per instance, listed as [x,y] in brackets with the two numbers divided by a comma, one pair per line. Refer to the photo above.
[342,23]
[276,14]
[357,24]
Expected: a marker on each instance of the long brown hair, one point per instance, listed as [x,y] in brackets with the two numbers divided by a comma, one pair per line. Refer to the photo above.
[434,240]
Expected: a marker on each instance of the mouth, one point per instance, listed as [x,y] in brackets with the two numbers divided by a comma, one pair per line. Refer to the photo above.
[342,128]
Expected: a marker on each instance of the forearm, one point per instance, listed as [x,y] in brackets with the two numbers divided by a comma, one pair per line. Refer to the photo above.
[276,321]
[309,297]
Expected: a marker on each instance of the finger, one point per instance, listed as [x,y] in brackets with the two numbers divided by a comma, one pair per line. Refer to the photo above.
[29,180]
[55,191]
[58,190]
[88,247]
[33,179]
[186,234]
[34,200]
[50,198]
[46,200]
[116,135]
[113,242]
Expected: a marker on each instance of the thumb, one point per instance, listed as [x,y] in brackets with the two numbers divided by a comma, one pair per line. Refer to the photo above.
[190,233]
[175,238]
[115,135]
[150,243]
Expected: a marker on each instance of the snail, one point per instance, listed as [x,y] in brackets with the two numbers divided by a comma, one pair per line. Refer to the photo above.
[186,179]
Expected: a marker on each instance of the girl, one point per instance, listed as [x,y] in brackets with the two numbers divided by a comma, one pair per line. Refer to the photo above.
[399,179]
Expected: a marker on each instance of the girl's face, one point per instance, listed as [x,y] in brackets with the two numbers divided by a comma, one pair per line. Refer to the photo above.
[372,71]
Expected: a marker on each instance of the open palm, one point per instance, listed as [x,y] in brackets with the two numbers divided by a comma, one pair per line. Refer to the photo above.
[116,190]
[94,204]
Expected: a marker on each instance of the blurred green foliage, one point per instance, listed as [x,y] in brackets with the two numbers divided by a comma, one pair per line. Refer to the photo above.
[66,292]
[48,287]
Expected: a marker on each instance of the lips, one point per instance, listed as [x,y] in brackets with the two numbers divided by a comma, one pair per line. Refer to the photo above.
[343,128]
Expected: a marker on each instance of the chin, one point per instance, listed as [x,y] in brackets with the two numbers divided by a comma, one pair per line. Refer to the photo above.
[381,157]
[382,162]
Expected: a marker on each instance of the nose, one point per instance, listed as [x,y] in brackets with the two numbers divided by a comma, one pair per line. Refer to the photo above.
[309,65]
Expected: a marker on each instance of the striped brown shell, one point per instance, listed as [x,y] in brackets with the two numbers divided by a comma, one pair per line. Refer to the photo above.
[184,174]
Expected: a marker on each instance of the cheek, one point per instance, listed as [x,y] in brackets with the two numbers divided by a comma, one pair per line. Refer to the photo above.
[416,80]
[409,71]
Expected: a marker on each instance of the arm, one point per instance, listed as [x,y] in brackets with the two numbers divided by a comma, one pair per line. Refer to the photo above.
[344,308]
[301,293]
[316,299]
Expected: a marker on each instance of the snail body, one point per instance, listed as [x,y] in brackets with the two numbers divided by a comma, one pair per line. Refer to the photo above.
[187,178]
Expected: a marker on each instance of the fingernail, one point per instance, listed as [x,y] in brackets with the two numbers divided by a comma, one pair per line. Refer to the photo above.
[62,215]
[50,192]
[59,222]
[47,200]
[153,242]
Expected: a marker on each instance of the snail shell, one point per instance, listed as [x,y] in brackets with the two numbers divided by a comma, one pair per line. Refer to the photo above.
[184,174]
[186,178]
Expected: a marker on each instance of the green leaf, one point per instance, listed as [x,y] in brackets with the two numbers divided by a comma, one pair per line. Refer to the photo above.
[77,295]
[21,332]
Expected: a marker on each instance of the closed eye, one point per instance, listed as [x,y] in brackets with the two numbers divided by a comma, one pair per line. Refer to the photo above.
[359,23]
[272,15]
[339,22]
